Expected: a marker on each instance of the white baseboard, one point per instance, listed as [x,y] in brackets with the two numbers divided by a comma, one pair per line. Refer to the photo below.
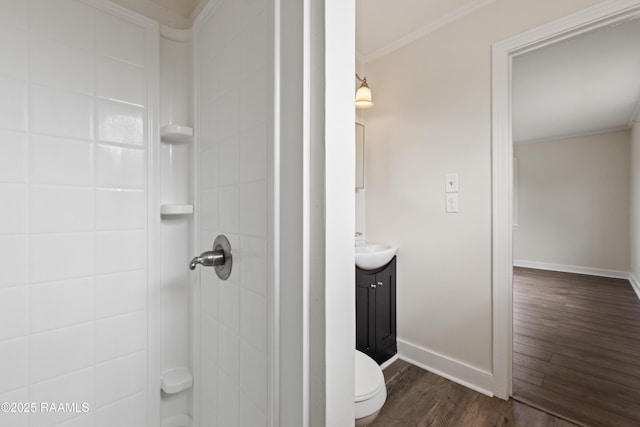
[390,361]
[635,284]
[458,372]
[572,269]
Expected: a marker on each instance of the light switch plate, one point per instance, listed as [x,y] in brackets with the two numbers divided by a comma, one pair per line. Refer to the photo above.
[452,202]
[451,182]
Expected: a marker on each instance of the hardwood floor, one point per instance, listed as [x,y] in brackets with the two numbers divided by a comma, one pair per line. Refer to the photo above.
[577,346]
[418,398]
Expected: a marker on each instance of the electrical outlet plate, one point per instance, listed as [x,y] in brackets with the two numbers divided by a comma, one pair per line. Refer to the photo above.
[452,203]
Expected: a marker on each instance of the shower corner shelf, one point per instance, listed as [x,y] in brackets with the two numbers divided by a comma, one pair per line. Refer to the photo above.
[176,133]
[176,209]
[176,380]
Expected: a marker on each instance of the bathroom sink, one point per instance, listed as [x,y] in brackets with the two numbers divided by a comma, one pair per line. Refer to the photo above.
[371,255]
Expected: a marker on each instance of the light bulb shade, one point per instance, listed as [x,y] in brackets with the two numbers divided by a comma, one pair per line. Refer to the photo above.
[363,97]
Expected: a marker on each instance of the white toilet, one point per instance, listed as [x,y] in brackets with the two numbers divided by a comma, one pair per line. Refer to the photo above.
[371,391]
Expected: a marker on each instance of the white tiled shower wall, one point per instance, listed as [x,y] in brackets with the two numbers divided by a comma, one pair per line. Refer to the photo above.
[74,111]
[233,63]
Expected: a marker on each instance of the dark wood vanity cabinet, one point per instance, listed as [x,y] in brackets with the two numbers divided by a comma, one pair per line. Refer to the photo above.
[376,311]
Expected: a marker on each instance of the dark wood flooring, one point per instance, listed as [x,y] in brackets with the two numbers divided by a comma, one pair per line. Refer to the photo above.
[418,398]
[576,346]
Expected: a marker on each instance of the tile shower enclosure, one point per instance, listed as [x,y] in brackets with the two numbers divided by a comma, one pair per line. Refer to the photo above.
[96,300]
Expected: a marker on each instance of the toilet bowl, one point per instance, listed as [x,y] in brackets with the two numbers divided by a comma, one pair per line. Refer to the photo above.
[370,390]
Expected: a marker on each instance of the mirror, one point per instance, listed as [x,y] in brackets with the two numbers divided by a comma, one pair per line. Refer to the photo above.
[359,156]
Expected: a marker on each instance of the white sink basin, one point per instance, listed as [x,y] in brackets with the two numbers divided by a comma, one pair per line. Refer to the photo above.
[371,255]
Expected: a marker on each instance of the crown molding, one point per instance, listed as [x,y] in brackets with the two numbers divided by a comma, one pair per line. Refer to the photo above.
[423,31]
[562,137]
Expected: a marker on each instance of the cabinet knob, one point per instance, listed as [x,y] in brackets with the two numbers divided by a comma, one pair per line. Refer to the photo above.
[380,283]
[373,285]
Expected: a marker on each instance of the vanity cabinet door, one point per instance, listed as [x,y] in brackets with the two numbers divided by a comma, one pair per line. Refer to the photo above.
[386,313]
[365,313]
[376,312]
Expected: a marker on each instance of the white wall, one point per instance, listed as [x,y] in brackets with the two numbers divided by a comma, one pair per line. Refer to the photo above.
[76,117]
[635,204]
[432,117]
[574,202]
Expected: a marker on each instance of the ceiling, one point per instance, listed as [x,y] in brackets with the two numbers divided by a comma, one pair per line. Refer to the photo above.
[181,7]
[383,25]
[584,85]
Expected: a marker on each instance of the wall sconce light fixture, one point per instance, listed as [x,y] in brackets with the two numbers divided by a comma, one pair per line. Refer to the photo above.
[363,94]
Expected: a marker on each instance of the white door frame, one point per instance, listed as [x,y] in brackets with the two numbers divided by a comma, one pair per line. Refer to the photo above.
[602,14]
[315,213]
